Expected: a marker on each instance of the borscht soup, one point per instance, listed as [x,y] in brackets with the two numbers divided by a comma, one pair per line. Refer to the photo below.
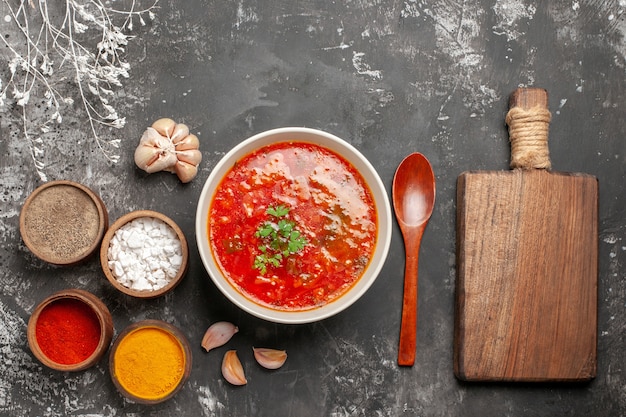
[292,226]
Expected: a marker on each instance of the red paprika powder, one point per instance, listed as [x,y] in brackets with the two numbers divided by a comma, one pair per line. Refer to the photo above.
[67,331]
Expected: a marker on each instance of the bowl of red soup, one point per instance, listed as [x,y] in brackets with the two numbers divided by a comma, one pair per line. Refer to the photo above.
[293,225]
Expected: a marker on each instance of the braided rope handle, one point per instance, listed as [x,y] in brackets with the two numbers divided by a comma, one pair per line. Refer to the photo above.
[529,122]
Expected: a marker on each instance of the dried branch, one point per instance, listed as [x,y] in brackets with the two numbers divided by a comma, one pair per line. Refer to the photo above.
[54,50]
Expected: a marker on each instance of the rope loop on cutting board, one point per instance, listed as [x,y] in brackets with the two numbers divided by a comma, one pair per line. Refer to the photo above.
[528,133]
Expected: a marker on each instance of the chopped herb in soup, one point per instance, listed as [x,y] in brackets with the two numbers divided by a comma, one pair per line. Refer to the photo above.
[293,226]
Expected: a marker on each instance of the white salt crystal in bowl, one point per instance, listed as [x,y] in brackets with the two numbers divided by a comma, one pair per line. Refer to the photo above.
[144,254]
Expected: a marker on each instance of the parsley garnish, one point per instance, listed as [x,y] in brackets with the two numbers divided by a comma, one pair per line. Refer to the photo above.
[279,239]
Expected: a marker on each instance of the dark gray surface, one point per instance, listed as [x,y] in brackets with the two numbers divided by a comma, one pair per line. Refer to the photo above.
[390,78]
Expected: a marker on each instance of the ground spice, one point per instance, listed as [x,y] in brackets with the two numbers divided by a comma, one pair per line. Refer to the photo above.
[149,363]
[67,331]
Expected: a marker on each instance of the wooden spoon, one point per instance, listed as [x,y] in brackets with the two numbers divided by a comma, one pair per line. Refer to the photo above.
[413,200]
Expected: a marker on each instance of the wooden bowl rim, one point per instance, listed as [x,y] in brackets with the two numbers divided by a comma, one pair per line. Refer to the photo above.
[106,241]
[103,222]
[104,318]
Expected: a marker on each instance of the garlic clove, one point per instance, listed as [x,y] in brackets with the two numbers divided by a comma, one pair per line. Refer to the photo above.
[218,334]
[191,156]
[270,358]
[185,172]
[150,137]
[188,142]
[180,132]
[145,156]
[232,369]
[164,126]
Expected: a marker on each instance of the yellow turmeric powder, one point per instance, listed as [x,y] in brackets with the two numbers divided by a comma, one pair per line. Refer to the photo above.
[149,363]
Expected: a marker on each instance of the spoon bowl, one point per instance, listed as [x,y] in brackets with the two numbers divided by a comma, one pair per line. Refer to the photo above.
[413,201]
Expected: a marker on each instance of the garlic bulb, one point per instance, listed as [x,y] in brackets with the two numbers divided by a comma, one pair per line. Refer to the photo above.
[218,334]
[168,146]
[232,369]
[270,358]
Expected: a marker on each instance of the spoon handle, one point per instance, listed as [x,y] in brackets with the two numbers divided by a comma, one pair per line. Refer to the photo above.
[408,325]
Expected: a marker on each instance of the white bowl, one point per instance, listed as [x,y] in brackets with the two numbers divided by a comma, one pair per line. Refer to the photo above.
[367,171]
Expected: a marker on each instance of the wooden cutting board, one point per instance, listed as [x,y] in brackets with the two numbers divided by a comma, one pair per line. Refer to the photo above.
[527,245]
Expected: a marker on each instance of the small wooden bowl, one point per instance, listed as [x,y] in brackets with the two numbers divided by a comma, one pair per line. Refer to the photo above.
[106,241]
[62,222]
[94,304]
[142,350]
